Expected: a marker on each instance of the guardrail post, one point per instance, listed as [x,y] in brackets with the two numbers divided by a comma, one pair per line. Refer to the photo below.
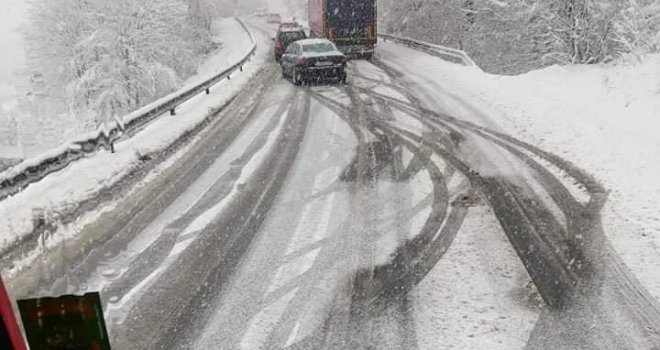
[172,111]
[208,91]
[112,147]
[240,68]
[229,77]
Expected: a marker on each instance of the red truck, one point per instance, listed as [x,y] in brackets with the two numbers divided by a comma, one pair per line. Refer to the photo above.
[350,24]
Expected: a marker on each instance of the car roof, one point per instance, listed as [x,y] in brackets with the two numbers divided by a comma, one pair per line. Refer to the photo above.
[304,42]
[291,29]
[313,41]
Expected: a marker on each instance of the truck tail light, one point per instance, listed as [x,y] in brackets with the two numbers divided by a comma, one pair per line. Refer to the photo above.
[370,32]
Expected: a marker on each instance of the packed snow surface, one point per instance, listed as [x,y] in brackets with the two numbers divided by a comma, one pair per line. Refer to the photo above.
[603,118]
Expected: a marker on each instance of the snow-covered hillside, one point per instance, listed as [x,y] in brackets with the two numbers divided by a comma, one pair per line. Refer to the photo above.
[605,118]
[85,179]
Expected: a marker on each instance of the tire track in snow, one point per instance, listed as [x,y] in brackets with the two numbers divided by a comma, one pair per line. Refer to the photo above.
[237,229]
[379,294]
[597,287]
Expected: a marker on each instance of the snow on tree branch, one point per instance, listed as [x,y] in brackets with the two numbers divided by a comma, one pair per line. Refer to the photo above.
[106,58]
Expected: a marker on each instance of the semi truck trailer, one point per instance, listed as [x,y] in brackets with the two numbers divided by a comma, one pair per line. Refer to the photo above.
[349,24]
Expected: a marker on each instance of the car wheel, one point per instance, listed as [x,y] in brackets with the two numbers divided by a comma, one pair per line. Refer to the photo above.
[297,77]
[342,77]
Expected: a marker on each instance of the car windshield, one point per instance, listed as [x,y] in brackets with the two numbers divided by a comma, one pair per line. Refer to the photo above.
[288,37]
[318,48]
[330,174]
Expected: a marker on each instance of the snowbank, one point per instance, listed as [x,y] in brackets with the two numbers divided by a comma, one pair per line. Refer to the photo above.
[604,118]
[607,120]
[85,179]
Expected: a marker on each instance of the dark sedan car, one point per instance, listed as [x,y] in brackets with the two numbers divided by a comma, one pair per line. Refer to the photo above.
[313,59]
[284,37]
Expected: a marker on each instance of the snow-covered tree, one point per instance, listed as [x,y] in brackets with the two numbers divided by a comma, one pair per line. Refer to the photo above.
[518,35]
[132,57]
[106,58]
[638,27]
[581,31]
[55,29]
[436,21]
[494,33]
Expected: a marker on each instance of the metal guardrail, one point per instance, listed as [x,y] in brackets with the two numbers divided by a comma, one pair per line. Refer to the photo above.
[17,178]
[439,50]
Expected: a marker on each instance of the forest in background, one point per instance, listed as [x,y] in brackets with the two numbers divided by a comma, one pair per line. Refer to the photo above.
[515,36]
[93,60]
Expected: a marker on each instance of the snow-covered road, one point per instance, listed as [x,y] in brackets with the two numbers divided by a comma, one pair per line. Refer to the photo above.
[387,213]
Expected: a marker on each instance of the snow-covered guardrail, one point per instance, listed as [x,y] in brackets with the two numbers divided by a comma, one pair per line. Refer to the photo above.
[32,170]
[433,48]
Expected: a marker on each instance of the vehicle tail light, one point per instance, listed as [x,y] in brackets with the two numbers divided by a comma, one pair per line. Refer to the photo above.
[301,61]
[343,60]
